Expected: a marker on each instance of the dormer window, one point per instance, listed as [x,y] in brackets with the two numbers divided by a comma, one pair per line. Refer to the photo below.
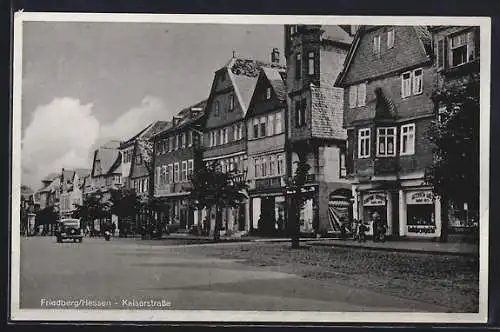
[216,108]
[390,38]
[268,93]
[231,102]
[376,45]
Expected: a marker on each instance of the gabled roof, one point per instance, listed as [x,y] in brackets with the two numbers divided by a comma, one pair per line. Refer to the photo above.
[109,158]
[336,34]
[186,117]
[422,32]
[50,177]
[327,113]
[244,74]
[82,172]
[148,132]
[275,76]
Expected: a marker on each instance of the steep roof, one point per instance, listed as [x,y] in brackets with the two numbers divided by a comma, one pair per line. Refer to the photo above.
[148,132]
[82,172]
[327,113]
[336,34]
[109,159]
[275,76]
[186,117]
[244,74]
[424,38]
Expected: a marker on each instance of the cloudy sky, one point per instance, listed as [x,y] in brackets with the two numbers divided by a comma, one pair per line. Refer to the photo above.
[85,83]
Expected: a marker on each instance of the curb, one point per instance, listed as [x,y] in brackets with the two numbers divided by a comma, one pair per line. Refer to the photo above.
[408,250]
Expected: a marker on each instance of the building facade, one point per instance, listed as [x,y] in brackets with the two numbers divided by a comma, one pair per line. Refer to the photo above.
[388,81]
[315,57]
[457,55]
[174,154]
[225,138]
[71,190]
[266,135]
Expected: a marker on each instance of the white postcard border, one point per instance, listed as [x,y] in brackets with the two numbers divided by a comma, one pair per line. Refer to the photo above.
[250,316]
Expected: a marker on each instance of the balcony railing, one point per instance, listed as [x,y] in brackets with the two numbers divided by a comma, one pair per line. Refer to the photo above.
[309,178]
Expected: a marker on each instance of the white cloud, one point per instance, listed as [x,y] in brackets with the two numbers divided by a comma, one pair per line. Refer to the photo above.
[59,135]
[137,118]
[64,133]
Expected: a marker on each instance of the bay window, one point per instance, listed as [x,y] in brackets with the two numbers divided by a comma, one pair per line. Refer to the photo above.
[190,167]
[386,138]
[407,139]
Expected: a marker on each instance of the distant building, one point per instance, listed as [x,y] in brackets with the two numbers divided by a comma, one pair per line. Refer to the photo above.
[315,56]
[106,172]
[72,190]
[174,149]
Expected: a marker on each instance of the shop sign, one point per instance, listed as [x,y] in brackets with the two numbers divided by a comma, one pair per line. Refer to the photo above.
[420,197]
[374,200]
[422,229]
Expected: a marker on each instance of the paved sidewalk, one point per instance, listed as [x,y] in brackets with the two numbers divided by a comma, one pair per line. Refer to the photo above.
[418,246]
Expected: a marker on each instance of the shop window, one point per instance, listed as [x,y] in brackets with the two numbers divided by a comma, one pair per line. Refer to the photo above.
[408,139]
[386,138]
[364,143]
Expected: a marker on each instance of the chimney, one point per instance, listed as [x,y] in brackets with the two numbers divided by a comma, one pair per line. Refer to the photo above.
[176,119]
[275,56]
[195,111]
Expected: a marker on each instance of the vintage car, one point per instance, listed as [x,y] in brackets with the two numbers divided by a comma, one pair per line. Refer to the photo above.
[69,229]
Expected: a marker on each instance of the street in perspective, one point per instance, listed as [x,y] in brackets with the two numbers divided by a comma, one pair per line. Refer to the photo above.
[250,167]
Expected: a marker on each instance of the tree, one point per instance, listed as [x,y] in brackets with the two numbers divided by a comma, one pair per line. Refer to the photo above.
[454,172]
[93,207]
[145,149]
[212,188]
[298,194]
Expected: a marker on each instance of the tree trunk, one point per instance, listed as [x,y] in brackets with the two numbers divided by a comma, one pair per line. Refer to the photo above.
[218,223]
[294,225]
[444,220]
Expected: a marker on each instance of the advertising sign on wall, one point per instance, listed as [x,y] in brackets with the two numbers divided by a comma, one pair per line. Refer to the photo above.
[376,199]
[420,197]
